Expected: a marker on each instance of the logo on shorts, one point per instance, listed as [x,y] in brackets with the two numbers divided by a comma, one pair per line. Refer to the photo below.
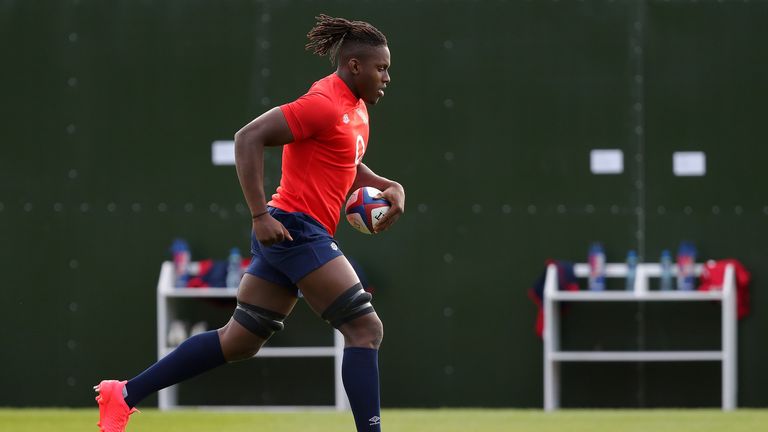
[334,246]
[345,119]
[375,420]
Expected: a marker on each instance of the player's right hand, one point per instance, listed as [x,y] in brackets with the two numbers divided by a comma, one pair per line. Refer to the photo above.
[269,230]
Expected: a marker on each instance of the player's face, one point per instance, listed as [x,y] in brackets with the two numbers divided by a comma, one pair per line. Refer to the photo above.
[373,75]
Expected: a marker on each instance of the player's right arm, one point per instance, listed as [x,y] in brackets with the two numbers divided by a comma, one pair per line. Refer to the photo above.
[307,116]
[269,129]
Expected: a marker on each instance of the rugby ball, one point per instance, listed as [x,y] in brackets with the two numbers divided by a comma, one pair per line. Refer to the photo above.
[364,211]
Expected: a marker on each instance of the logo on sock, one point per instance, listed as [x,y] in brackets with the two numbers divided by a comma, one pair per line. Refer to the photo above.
[375,420]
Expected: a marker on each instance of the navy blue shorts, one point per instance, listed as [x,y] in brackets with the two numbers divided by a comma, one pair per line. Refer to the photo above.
[285,263]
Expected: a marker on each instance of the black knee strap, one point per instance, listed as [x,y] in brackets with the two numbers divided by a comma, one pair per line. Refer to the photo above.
[259,321]
[355,302]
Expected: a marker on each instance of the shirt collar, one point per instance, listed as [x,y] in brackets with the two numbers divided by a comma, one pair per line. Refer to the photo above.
[347,92]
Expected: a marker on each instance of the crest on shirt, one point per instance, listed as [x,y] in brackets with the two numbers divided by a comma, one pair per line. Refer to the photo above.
[362,115]
[345,119]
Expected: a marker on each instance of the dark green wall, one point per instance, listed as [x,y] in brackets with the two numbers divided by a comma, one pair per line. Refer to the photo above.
[108,110]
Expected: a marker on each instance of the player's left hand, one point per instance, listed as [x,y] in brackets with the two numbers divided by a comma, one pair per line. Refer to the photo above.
[395,194]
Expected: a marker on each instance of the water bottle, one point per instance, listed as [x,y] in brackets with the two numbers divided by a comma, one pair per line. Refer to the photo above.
[686,256]
[181,257]
[596,280]
[665,279]
[234,268]
[631,270]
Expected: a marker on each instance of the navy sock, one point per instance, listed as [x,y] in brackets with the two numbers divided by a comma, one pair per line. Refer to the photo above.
[194,356]
[360,373]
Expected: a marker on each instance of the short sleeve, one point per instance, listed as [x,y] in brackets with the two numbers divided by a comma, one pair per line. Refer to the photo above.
[309,115]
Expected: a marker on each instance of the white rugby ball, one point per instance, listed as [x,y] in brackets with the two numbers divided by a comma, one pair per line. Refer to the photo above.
[363,211]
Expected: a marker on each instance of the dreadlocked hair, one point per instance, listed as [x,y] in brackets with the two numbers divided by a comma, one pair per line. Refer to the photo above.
[329,34]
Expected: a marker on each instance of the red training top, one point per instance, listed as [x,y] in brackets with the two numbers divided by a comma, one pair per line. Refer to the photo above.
[330,132]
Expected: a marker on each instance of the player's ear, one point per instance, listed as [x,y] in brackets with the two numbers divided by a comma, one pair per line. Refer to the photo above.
[354,65]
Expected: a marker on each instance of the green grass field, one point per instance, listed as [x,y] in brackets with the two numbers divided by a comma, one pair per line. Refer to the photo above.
[440,420]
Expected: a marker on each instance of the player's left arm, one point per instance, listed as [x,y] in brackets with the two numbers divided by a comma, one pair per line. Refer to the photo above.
[391,190]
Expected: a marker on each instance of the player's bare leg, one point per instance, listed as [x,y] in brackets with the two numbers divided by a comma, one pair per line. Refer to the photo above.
[323,286]
[237,341]
[334,292]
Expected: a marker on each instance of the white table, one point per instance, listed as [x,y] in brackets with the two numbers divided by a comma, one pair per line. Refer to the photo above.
[553,355]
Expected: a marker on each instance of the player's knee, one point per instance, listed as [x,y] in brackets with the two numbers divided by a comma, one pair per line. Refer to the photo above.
[353,314]
[257,320]
[350,305]
[239,352]
[250,327]
[366,331]
[235,346]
